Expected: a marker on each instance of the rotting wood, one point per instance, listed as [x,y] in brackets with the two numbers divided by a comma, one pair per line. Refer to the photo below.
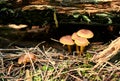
[69,10]
[108,53]
[80,8]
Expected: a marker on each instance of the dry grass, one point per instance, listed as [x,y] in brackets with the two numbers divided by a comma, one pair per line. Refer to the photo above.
[54,65]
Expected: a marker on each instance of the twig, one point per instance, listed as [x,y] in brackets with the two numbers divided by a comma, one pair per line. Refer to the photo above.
[39,44]
[9,69]
[112,73]
[78,79]
[114,66]
[9,49]
[102,67]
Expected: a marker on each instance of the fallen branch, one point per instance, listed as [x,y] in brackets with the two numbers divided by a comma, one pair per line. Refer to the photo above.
[108,53]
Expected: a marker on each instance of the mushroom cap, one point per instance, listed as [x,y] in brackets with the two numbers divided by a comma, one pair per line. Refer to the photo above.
[74,36]
[66,40]
[81,41]
[25,58]
[85,33]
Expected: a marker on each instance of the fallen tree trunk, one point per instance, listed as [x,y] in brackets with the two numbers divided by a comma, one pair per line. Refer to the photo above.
[80,8]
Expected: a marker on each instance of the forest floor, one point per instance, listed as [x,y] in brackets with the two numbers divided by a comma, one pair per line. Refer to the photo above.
[52,62]
[37,55]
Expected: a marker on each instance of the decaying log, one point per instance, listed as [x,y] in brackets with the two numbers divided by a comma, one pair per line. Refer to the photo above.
[80,8]
[69,10]
[108,53]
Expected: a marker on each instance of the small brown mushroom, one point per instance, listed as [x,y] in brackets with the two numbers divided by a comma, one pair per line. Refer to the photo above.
[82,42]
[74,36]
[26,58]
[85,33]
[67,40]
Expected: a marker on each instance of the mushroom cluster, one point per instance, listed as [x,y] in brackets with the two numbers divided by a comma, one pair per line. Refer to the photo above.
[80,38]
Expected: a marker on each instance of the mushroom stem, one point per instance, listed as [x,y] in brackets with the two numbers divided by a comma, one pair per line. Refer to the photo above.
[69,48]
[77,48]
[81,49]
